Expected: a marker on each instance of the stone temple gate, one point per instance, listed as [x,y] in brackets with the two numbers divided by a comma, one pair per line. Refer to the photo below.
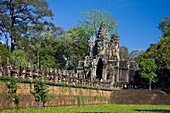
[101,68]
[103,62]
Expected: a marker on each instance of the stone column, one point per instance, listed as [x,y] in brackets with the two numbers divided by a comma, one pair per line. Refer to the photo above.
[117,74]
[91,43]
[117,70]
[59,76]
[41,73]
[104,74]
[15,70]
[22,73]
[35,72]
[51,75]
[80,71]
[55,76]
[7,68]
[28,71]
[46,75]
[113,77]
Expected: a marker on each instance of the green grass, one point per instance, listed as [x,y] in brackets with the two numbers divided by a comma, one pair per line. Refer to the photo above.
[106,108]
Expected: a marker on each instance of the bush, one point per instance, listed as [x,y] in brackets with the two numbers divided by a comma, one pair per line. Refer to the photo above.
[12,85]
[40,92]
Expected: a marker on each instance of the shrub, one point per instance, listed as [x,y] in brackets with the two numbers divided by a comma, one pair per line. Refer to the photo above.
[40,92]
[12,85]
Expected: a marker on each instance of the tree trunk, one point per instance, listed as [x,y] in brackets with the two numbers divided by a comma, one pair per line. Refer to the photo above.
[12,13]
[12,45]
[150,85]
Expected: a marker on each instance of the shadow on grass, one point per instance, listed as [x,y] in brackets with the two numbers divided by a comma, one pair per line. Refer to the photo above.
[154,110]
[95,112]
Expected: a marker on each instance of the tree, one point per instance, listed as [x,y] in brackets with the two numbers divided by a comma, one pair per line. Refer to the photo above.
[23,18]
[20,57]
[12,85]
[147,69]
[75,40]
[163,61]
[92,20]
[163,47]
[4,53]
[134,54]
[48,53]
[163,53]
[164,26]
[124,54]
[40,92]
[41,46]
[67,52]
[160,53]
[78,47]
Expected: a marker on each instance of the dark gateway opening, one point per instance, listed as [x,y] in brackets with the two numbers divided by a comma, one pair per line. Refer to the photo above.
[99,69]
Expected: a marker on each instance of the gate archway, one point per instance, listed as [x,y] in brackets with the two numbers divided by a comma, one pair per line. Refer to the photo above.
[99,70]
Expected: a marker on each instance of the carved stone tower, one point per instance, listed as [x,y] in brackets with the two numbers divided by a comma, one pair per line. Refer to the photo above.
[102,40]
[103,62]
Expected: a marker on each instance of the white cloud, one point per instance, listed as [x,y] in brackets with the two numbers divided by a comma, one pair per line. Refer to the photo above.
[2,41]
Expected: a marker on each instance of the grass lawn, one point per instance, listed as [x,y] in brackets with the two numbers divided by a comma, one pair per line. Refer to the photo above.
[106,108]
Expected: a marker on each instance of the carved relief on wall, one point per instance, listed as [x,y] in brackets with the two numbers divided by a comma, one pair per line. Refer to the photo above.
[91,43]
[100,47]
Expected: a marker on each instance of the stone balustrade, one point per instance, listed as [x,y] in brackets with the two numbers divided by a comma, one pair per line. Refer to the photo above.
[49,75]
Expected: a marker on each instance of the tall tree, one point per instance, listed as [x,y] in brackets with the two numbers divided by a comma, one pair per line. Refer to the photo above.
[92,20]
[160,53]
[164,26]
[124,54]
[134,54]
[20,57]
[163,60]
[77,37]
[147,69]
[22,18]
[163,52]
[79,47]
[4,53]
[38,44]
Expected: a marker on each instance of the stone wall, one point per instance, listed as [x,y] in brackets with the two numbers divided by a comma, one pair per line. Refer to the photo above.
[54,76]
[153,97]
[60,96]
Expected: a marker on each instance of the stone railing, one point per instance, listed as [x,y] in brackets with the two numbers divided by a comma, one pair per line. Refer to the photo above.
[67,77]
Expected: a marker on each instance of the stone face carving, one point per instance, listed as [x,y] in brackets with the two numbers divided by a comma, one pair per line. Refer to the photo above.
[35,72]
[102,68]
[22,73]
[7,68]
[91,43]
[15,70]
[105,64]
[28,71]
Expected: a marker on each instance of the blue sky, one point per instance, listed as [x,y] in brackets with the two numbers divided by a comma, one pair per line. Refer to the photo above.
[137,19]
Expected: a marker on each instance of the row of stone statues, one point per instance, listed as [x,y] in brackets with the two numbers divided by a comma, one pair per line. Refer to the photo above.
[49,75]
